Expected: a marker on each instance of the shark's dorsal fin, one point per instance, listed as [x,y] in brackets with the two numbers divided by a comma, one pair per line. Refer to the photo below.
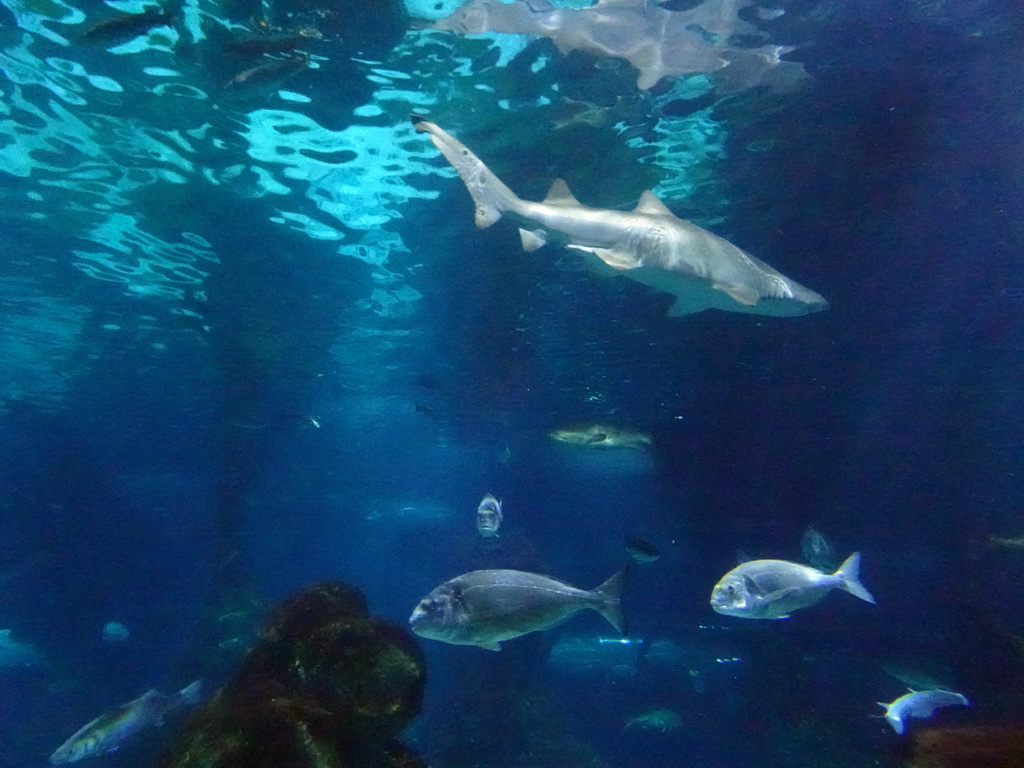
[650,204]
[559,194]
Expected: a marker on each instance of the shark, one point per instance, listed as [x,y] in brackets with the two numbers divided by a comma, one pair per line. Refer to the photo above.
[657,41]
[648,244]
[601,436]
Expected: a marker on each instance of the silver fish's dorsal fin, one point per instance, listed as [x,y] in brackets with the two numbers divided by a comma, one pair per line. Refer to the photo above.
[559,194]
[650,204]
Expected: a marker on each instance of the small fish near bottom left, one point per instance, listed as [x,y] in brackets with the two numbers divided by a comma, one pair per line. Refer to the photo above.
[108,731]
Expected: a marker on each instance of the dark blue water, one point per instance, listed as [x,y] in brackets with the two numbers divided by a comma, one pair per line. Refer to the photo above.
[251,340]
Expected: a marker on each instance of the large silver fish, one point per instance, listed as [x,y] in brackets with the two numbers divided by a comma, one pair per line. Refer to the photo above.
[648,244]
[773,589]
[485,608]
[109,730]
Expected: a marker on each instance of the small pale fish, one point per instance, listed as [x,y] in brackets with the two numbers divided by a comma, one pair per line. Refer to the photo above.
[640,550]
[115,632]
[1015,542]
[817,552]
[488,517]
[662,720]
[108,731]
[920,704]
[773,589]
[602,436]
[485,608]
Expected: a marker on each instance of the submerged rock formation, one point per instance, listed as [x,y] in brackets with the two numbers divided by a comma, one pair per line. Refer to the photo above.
[327,686]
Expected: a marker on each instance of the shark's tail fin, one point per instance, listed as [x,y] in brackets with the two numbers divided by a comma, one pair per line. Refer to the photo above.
[489,193]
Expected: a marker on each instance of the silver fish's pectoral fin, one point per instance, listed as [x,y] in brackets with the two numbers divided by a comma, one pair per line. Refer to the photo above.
[616,259]
[651,205]
[531,241]
[559,194]
[742,294]
[780,594]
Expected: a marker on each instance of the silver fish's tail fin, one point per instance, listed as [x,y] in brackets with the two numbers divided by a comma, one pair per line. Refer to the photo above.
[191,694]
[609,603]
[489,193]
[849,572]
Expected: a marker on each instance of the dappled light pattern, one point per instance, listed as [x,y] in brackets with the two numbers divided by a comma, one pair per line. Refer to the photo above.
[41,344]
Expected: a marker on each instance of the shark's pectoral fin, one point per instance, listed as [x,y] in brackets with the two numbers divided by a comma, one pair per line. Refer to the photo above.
[486,214]
[532,240]
[490,645]
[743,294]
[615,259]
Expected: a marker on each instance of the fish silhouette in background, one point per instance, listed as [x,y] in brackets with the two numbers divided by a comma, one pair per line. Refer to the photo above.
[283,41]
[648,244]
[270,73]
[817,551]
[124,27]
[658,42]
[108,731]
